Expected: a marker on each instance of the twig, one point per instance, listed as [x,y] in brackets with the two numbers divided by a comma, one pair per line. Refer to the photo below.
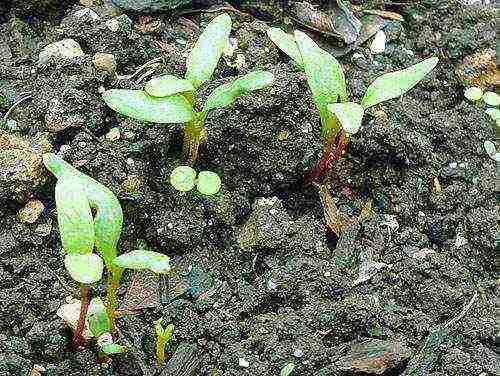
[19,101]
[462,314]
[226,7]
[140,69]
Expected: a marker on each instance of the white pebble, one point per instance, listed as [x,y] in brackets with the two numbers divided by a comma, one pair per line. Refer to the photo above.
[378,43]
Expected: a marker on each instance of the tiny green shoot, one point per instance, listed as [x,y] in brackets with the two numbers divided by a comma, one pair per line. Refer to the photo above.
[183,179]
[163,335]
[287,370]
[340,119]
[169,99]
[473,94]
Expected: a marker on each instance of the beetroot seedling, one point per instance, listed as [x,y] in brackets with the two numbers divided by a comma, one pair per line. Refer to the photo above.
[168,99]
[341,119]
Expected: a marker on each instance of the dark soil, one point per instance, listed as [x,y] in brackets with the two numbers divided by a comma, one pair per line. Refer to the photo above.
[257,276]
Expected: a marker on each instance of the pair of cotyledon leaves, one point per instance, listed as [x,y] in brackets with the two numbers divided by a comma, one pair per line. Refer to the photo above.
[162,101]
[76,195]
[327,82]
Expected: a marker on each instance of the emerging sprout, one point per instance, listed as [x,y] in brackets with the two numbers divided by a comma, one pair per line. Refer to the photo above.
[169,99]
[491,99]
[76,195]
[100,327]
[163,335]
[473,93]
[339,118]
[183,178]
[287,370]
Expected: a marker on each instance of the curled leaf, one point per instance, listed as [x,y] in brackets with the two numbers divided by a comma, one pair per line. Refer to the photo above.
[141,259]
[167,85]
[286,43]
[227,93]
[394,84]
[349,114]
[76,225]
[84,268]
[208,49]
[138,105]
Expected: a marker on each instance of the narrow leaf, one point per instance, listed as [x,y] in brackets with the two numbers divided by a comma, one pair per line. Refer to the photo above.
[349,114]
[76,226]
[324,74]
[227,93]
[84,268]
[97,318]
[139,105]
[394,84]
[208,49]
[167,85]
[286,43]
[140,259]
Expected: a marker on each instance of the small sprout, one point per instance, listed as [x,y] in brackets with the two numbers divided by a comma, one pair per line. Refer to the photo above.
[183,178]
[163,335]
[287,370]
[491,99]
[208,183]
[142,260]
[473,93]
[167,85]
[168,99]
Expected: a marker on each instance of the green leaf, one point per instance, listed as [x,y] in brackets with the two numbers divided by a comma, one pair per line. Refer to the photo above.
[286,43]
[138,105]
[208,49]
[394,84]
[208,183]
[74,216]
[167,85]
[97,318]
[183,178]
[491,99]
[349,114]
[84,268]
[324,75]
[164,332]
[113,348]
[108,218]
[140,260]
[227,93]
[287,370]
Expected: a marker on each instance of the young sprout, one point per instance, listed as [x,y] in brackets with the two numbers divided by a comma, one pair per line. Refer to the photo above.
[183,178]
[168,99]
[163,335]
[76,195]
[100,327]
[287,370]
[339,118]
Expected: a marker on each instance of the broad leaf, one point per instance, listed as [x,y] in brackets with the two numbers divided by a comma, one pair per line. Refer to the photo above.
[208,49]
[108,218]
[140,259]
[324,75]
[84,268]
[286,43]
[349,114]
[137,104]
[227,93]
[97,317]
[167,85]
[76,225]
[394,84]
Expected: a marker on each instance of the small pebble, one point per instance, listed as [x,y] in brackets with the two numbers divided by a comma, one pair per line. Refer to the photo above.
[66,48]
[113,134]
[491,99]
[378,43]
[489,147]
[272,285]
[473,93]
[105,62]
[242,362]
[298,353]
[31,211]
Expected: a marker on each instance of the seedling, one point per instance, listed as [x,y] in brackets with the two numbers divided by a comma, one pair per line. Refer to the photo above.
[183,178]
[341,119]
[169,99]
[76,195]
[163,335]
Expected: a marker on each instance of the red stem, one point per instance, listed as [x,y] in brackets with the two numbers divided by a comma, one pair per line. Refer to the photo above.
[79,338]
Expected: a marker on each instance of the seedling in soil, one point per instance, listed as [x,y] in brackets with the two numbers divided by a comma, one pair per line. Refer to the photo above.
[76,195]
[341,119]
[163,335]
[169,99]
[183,178]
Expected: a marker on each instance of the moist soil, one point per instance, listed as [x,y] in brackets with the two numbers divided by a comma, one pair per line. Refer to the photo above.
[258,280]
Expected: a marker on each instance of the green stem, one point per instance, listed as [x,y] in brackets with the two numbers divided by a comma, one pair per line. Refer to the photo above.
[112,295]
[161,343]
[194,133]
[79,337]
